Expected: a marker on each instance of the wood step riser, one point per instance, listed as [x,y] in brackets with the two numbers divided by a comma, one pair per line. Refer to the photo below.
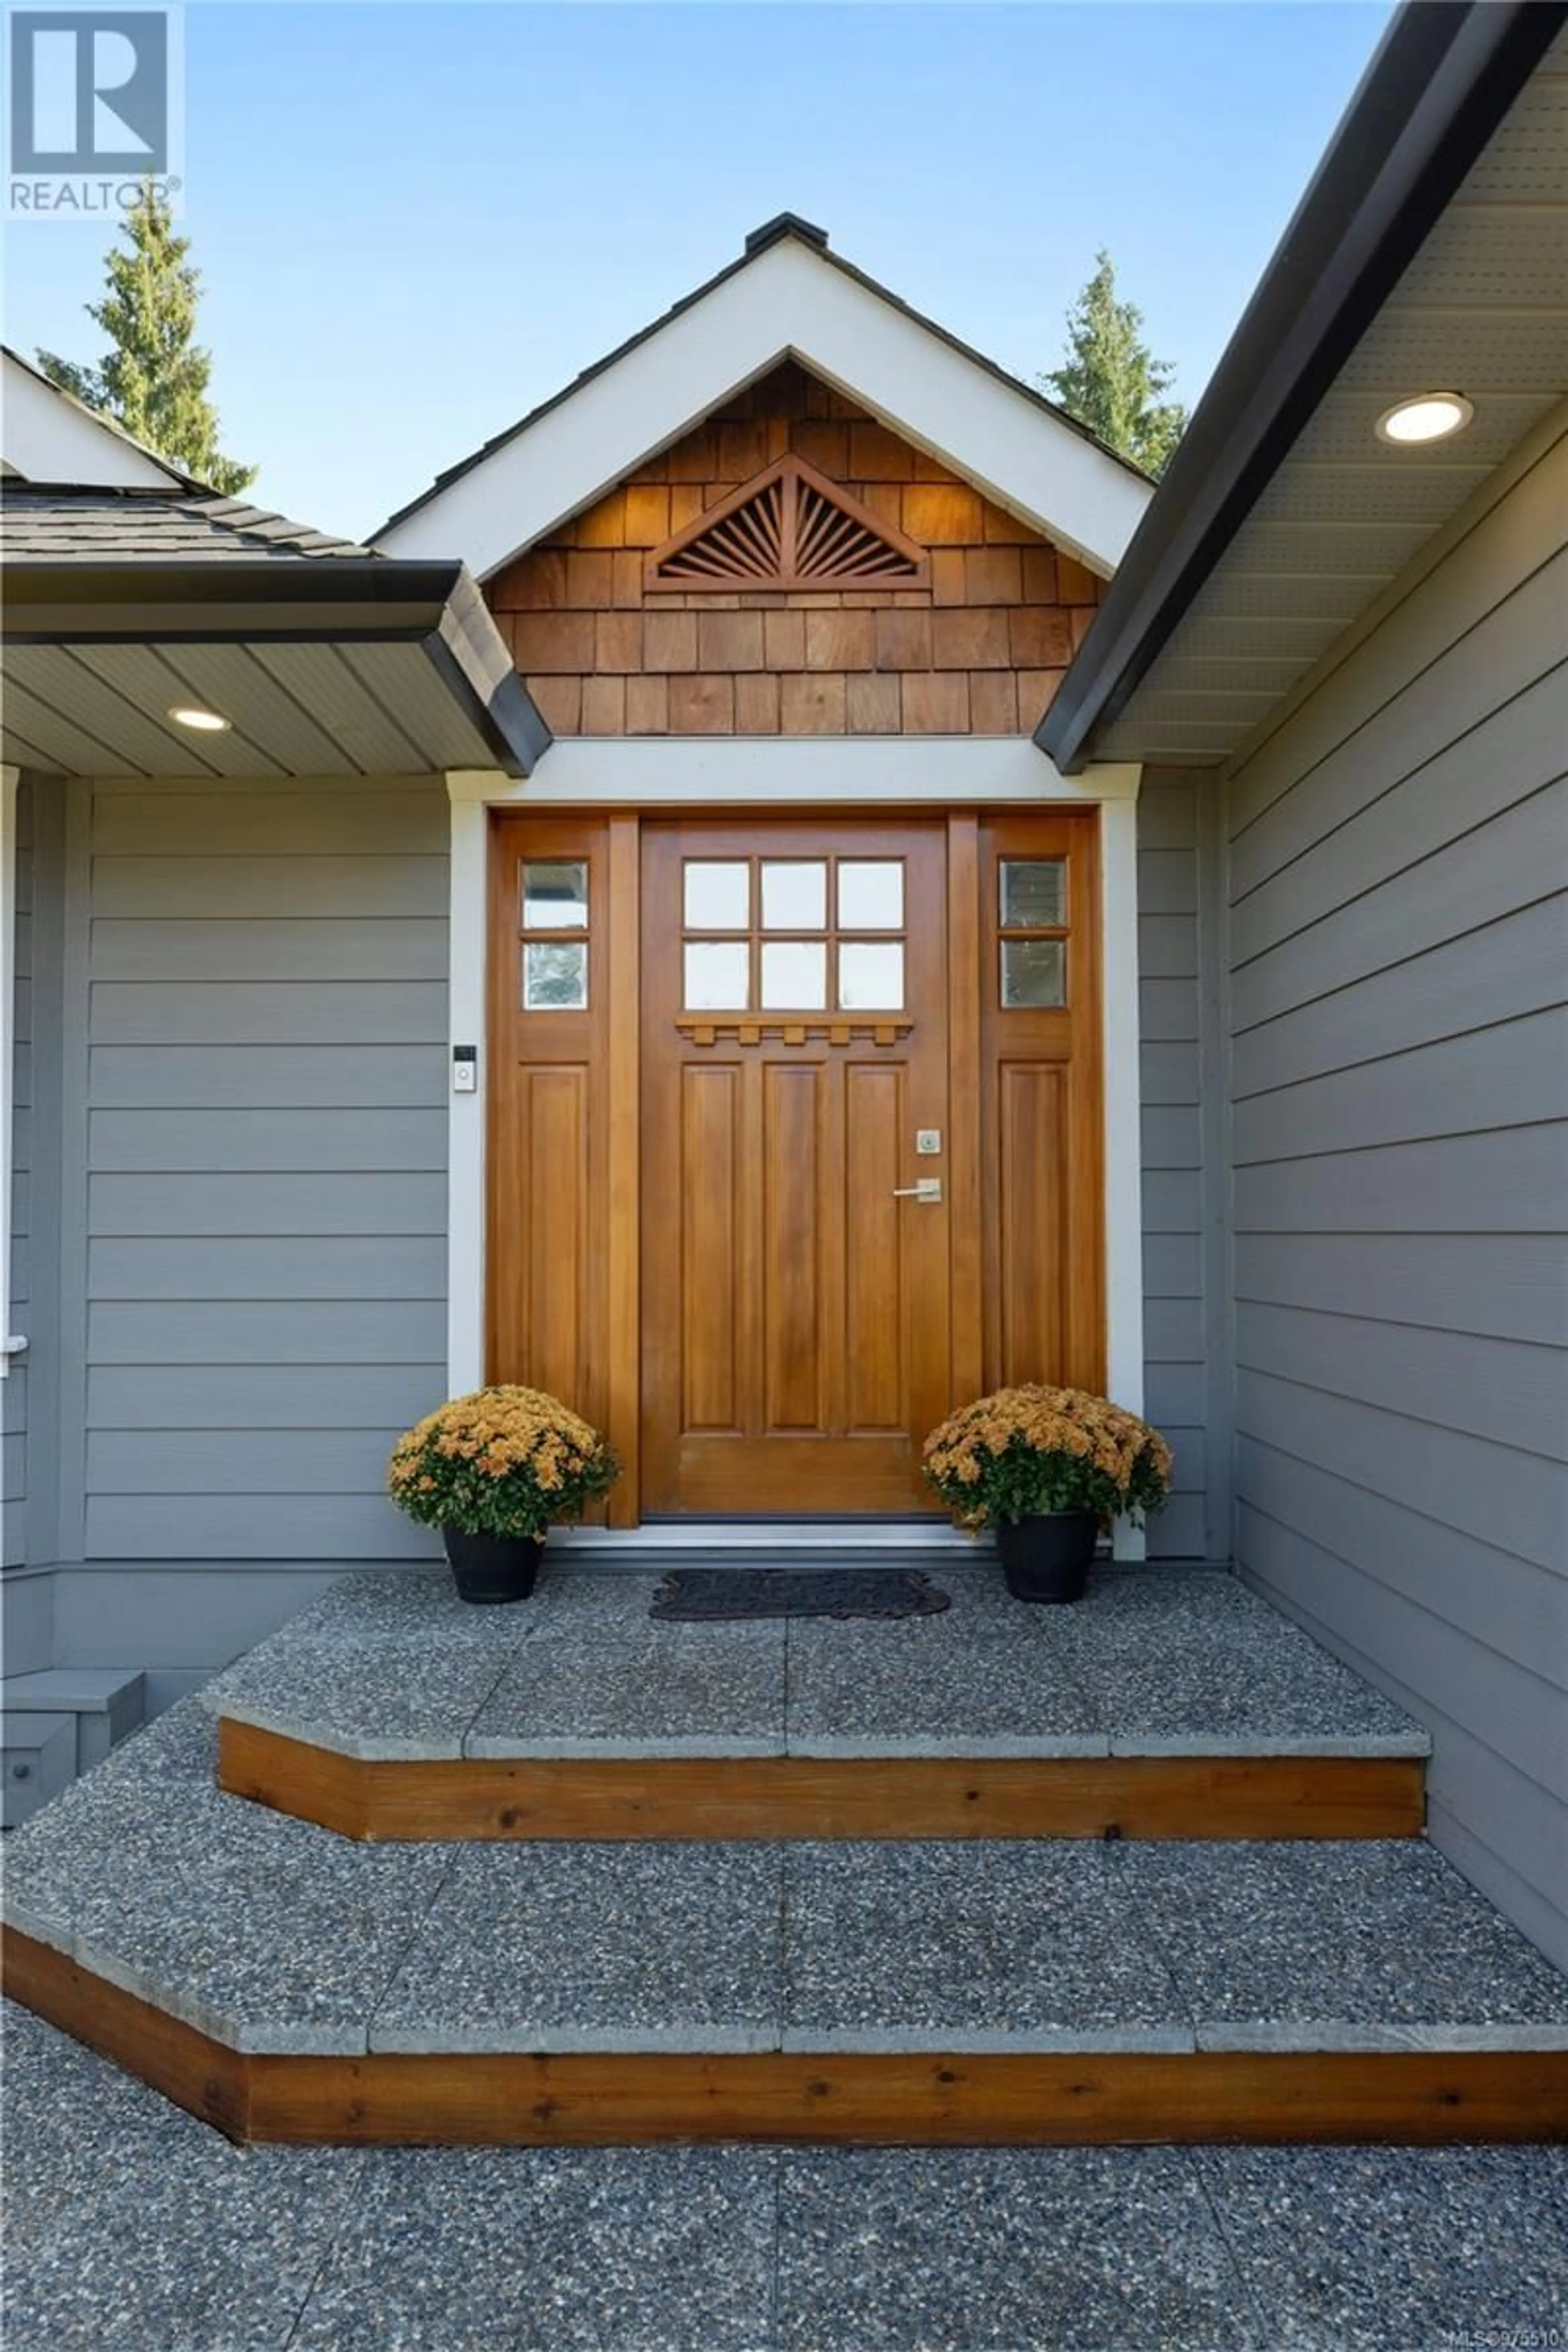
[772,1797]
[922,2099]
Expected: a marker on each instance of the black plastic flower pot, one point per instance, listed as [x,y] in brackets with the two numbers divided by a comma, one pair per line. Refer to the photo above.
[1048,1557]
[492,1568]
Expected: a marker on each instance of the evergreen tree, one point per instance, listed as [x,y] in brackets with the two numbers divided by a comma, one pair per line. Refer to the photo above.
[153,380]
[1111,382]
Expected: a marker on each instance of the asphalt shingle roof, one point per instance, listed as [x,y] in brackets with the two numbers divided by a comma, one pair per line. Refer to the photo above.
[55,525]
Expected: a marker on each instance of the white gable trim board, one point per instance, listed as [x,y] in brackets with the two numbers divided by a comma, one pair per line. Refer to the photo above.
[692,772]
[786,302]
[48,436]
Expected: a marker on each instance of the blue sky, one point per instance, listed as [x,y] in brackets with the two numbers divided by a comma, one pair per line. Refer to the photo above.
[416,221]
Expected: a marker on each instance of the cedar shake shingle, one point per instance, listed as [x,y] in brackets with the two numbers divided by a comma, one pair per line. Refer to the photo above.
[903,640]
[757,703]
[604,525]
[936,702]
[535,584]
[618,641]
[824,445]
[669,641]
[701,704]
[560,701]
[1004,529]
[743,450]
[1036,690]
[783,640]
[941,514]
[965,637]
[812,703]
[949,576]
[1039,575]
[1040,637]
[603,706]
[646,515]
[873,704]
[554,642]
[589,580]
[843,640]
[886,502]
[878,456]
[647,706]
[1075,585]
[730,641]
[993,575]
[696,458]
[993,702]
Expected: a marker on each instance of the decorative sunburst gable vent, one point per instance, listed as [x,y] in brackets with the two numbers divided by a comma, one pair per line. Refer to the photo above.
[788,527]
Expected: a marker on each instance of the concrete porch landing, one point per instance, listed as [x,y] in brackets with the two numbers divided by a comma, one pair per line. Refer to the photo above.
[1170,1703]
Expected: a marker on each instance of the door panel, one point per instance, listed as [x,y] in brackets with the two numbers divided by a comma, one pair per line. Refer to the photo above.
[712,1279]
[796,1314]
[876,1119]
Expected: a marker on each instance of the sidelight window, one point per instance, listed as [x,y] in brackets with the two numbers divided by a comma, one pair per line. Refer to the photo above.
[554,903]
[1032,916]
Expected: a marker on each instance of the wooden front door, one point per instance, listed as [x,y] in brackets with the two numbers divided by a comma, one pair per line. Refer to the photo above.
[724,1052]
[795,1319]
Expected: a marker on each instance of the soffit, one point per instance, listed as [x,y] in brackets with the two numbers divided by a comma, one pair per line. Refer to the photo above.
[1482,310]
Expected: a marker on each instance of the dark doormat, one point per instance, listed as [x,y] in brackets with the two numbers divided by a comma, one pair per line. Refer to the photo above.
[710,1595]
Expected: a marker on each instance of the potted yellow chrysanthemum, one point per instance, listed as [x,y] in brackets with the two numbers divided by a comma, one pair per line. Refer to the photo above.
[1046,1467]
[491,1470]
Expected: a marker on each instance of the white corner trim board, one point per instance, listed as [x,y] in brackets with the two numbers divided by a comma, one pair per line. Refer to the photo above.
[693,771]
[1123,1117]
[788,302]
[10,777]
[466,1112]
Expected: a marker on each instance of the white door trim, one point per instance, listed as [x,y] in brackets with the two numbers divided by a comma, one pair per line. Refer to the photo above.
[693,770]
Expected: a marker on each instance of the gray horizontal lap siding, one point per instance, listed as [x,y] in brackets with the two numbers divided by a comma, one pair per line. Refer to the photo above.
[265,1180]
[251,1138]
[1399,1089]
[1177,1050]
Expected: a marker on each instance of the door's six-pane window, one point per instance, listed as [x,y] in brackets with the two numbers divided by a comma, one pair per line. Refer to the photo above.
[717,975]
[824,967]
[718,894]
[795,895]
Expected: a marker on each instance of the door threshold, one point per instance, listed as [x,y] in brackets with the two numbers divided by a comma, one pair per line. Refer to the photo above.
[769,1535]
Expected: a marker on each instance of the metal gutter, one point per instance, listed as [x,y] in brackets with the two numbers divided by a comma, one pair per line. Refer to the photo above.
[216,584]
[1443,77]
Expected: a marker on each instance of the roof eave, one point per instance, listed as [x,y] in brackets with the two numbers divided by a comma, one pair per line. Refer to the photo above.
[434,605]
[1442,79]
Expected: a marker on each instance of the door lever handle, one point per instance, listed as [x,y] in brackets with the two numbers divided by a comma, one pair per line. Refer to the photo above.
[928,1190]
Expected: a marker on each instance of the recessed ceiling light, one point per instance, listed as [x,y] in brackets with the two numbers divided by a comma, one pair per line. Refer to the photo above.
[205,722]
[1429,417]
